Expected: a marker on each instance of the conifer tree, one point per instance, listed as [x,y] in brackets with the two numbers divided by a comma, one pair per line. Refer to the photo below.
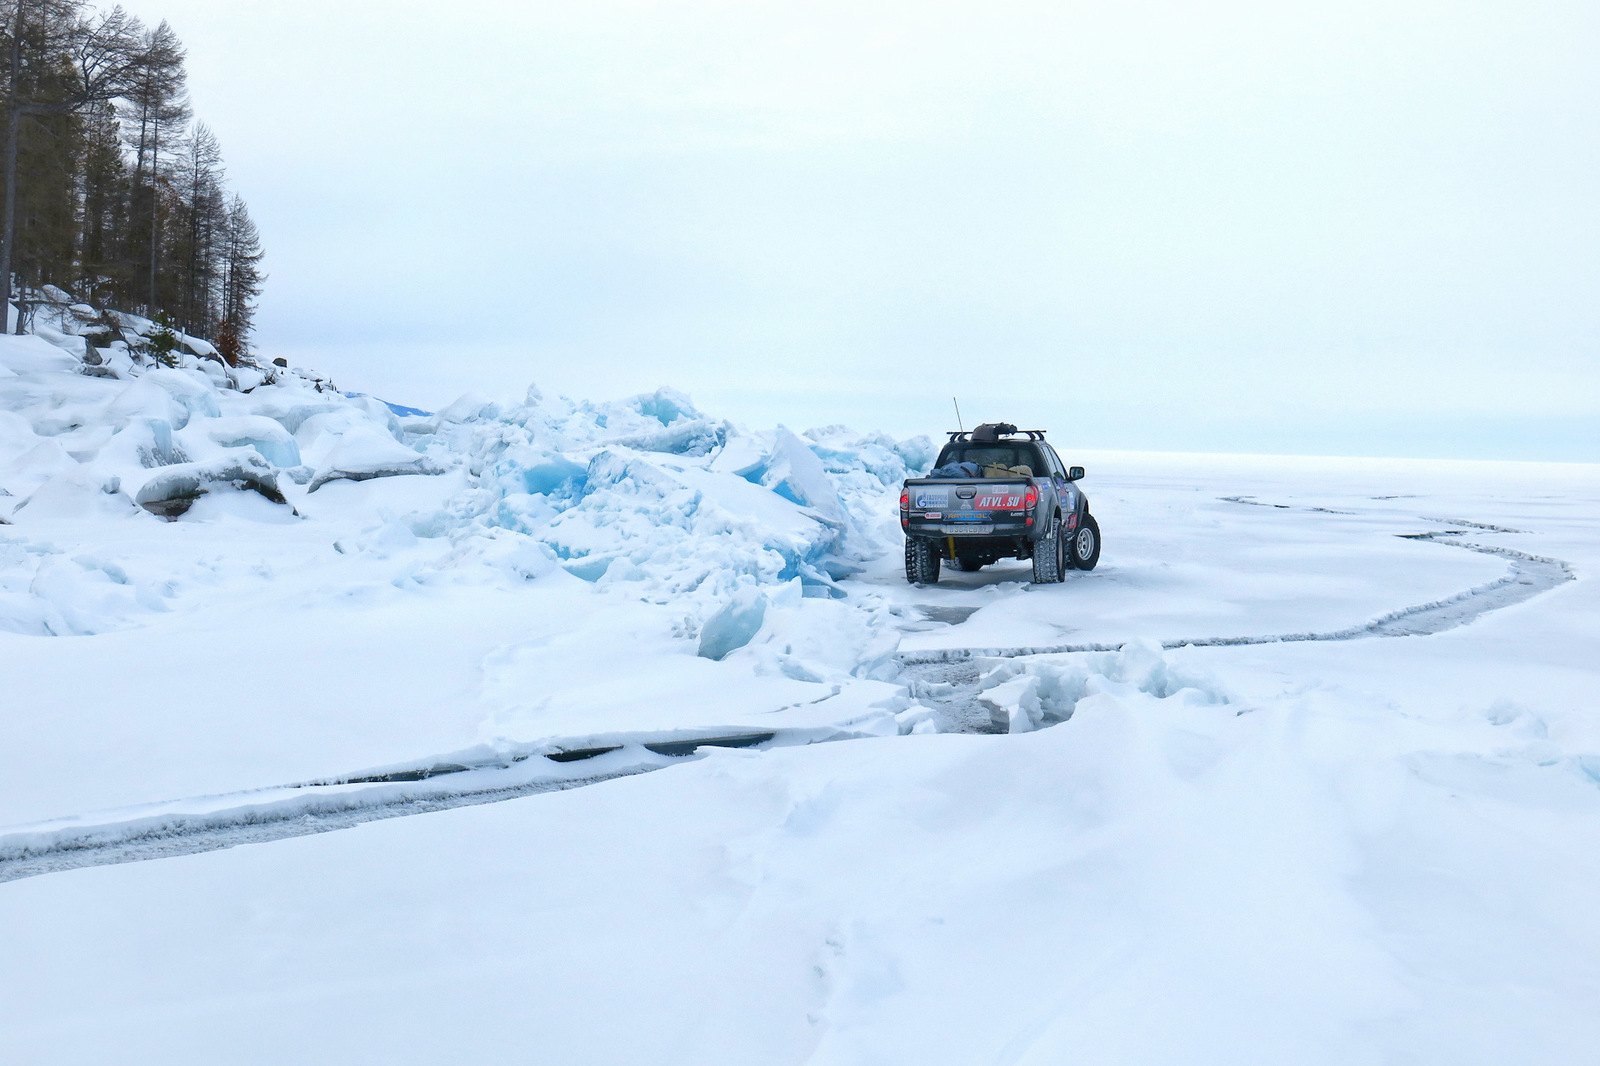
[158,106]
[203,221]
[242,278]
[105,187]
[163,342]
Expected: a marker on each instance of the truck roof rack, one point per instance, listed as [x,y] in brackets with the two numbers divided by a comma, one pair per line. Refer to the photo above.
[967,435]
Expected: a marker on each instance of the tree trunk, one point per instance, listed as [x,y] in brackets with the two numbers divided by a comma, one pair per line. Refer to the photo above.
[8,227]
[155,214]
[7,238]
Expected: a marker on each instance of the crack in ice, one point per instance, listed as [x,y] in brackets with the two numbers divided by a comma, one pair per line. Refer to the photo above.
[946,680]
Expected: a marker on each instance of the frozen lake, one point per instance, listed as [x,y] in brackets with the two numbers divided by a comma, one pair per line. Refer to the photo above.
[1377,845]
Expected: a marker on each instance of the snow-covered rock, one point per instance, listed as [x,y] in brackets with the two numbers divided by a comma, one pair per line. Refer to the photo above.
[174,489]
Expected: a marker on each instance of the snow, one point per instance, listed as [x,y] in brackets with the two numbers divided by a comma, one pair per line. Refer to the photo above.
[1321,782]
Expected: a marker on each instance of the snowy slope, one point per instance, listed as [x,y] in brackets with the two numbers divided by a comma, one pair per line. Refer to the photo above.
[1329,842]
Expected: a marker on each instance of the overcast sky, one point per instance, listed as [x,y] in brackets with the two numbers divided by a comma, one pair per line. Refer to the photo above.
[1348,228]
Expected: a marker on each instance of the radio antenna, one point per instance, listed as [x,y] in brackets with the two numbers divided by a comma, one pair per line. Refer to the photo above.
[958,415]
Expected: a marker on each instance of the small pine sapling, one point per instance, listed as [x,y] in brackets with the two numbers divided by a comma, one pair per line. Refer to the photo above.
[163,342]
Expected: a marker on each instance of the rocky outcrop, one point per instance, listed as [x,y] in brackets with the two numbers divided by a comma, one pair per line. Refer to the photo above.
[173,491]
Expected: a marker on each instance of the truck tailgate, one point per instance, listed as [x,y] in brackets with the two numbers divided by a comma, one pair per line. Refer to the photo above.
[976,500]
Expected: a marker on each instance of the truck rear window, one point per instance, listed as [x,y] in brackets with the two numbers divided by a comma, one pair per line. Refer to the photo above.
[992,455]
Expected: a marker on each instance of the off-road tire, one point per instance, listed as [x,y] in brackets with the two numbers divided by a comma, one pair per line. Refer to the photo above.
[1084,548]
[1049,555]
[922,561]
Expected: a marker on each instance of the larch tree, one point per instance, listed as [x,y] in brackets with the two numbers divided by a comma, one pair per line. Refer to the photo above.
[204,220]
[241,282]
[158,105]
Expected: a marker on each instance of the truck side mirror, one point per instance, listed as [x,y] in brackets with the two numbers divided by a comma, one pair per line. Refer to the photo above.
[1074,473]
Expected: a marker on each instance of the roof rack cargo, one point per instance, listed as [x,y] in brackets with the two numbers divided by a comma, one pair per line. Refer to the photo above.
[990,432]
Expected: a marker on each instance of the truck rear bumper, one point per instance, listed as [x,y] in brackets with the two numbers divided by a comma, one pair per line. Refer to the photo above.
[1007,529]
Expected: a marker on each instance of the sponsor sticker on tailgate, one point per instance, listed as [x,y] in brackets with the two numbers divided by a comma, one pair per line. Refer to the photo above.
[998,501]
[931,498]
[967,516]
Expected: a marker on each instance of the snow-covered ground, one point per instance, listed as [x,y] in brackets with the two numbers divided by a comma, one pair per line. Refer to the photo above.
[1376,840]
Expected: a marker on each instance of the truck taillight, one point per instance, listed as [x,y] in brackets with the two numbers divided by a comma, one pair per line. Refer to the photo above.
[1032,499]
[905,501]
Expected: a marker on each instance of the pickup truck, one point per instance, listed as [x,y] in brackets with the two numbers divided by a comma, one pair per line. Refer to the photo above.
[995,493]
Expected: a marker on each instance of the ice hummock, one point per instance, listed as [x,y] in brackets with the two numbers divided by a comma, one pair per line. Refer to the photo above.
[647,494]
[652,491]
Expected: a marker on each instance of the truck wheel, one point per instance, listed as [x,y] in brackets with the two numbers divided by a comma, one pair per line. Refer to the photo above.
[1047,554]
[922,561]
[1086,544]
